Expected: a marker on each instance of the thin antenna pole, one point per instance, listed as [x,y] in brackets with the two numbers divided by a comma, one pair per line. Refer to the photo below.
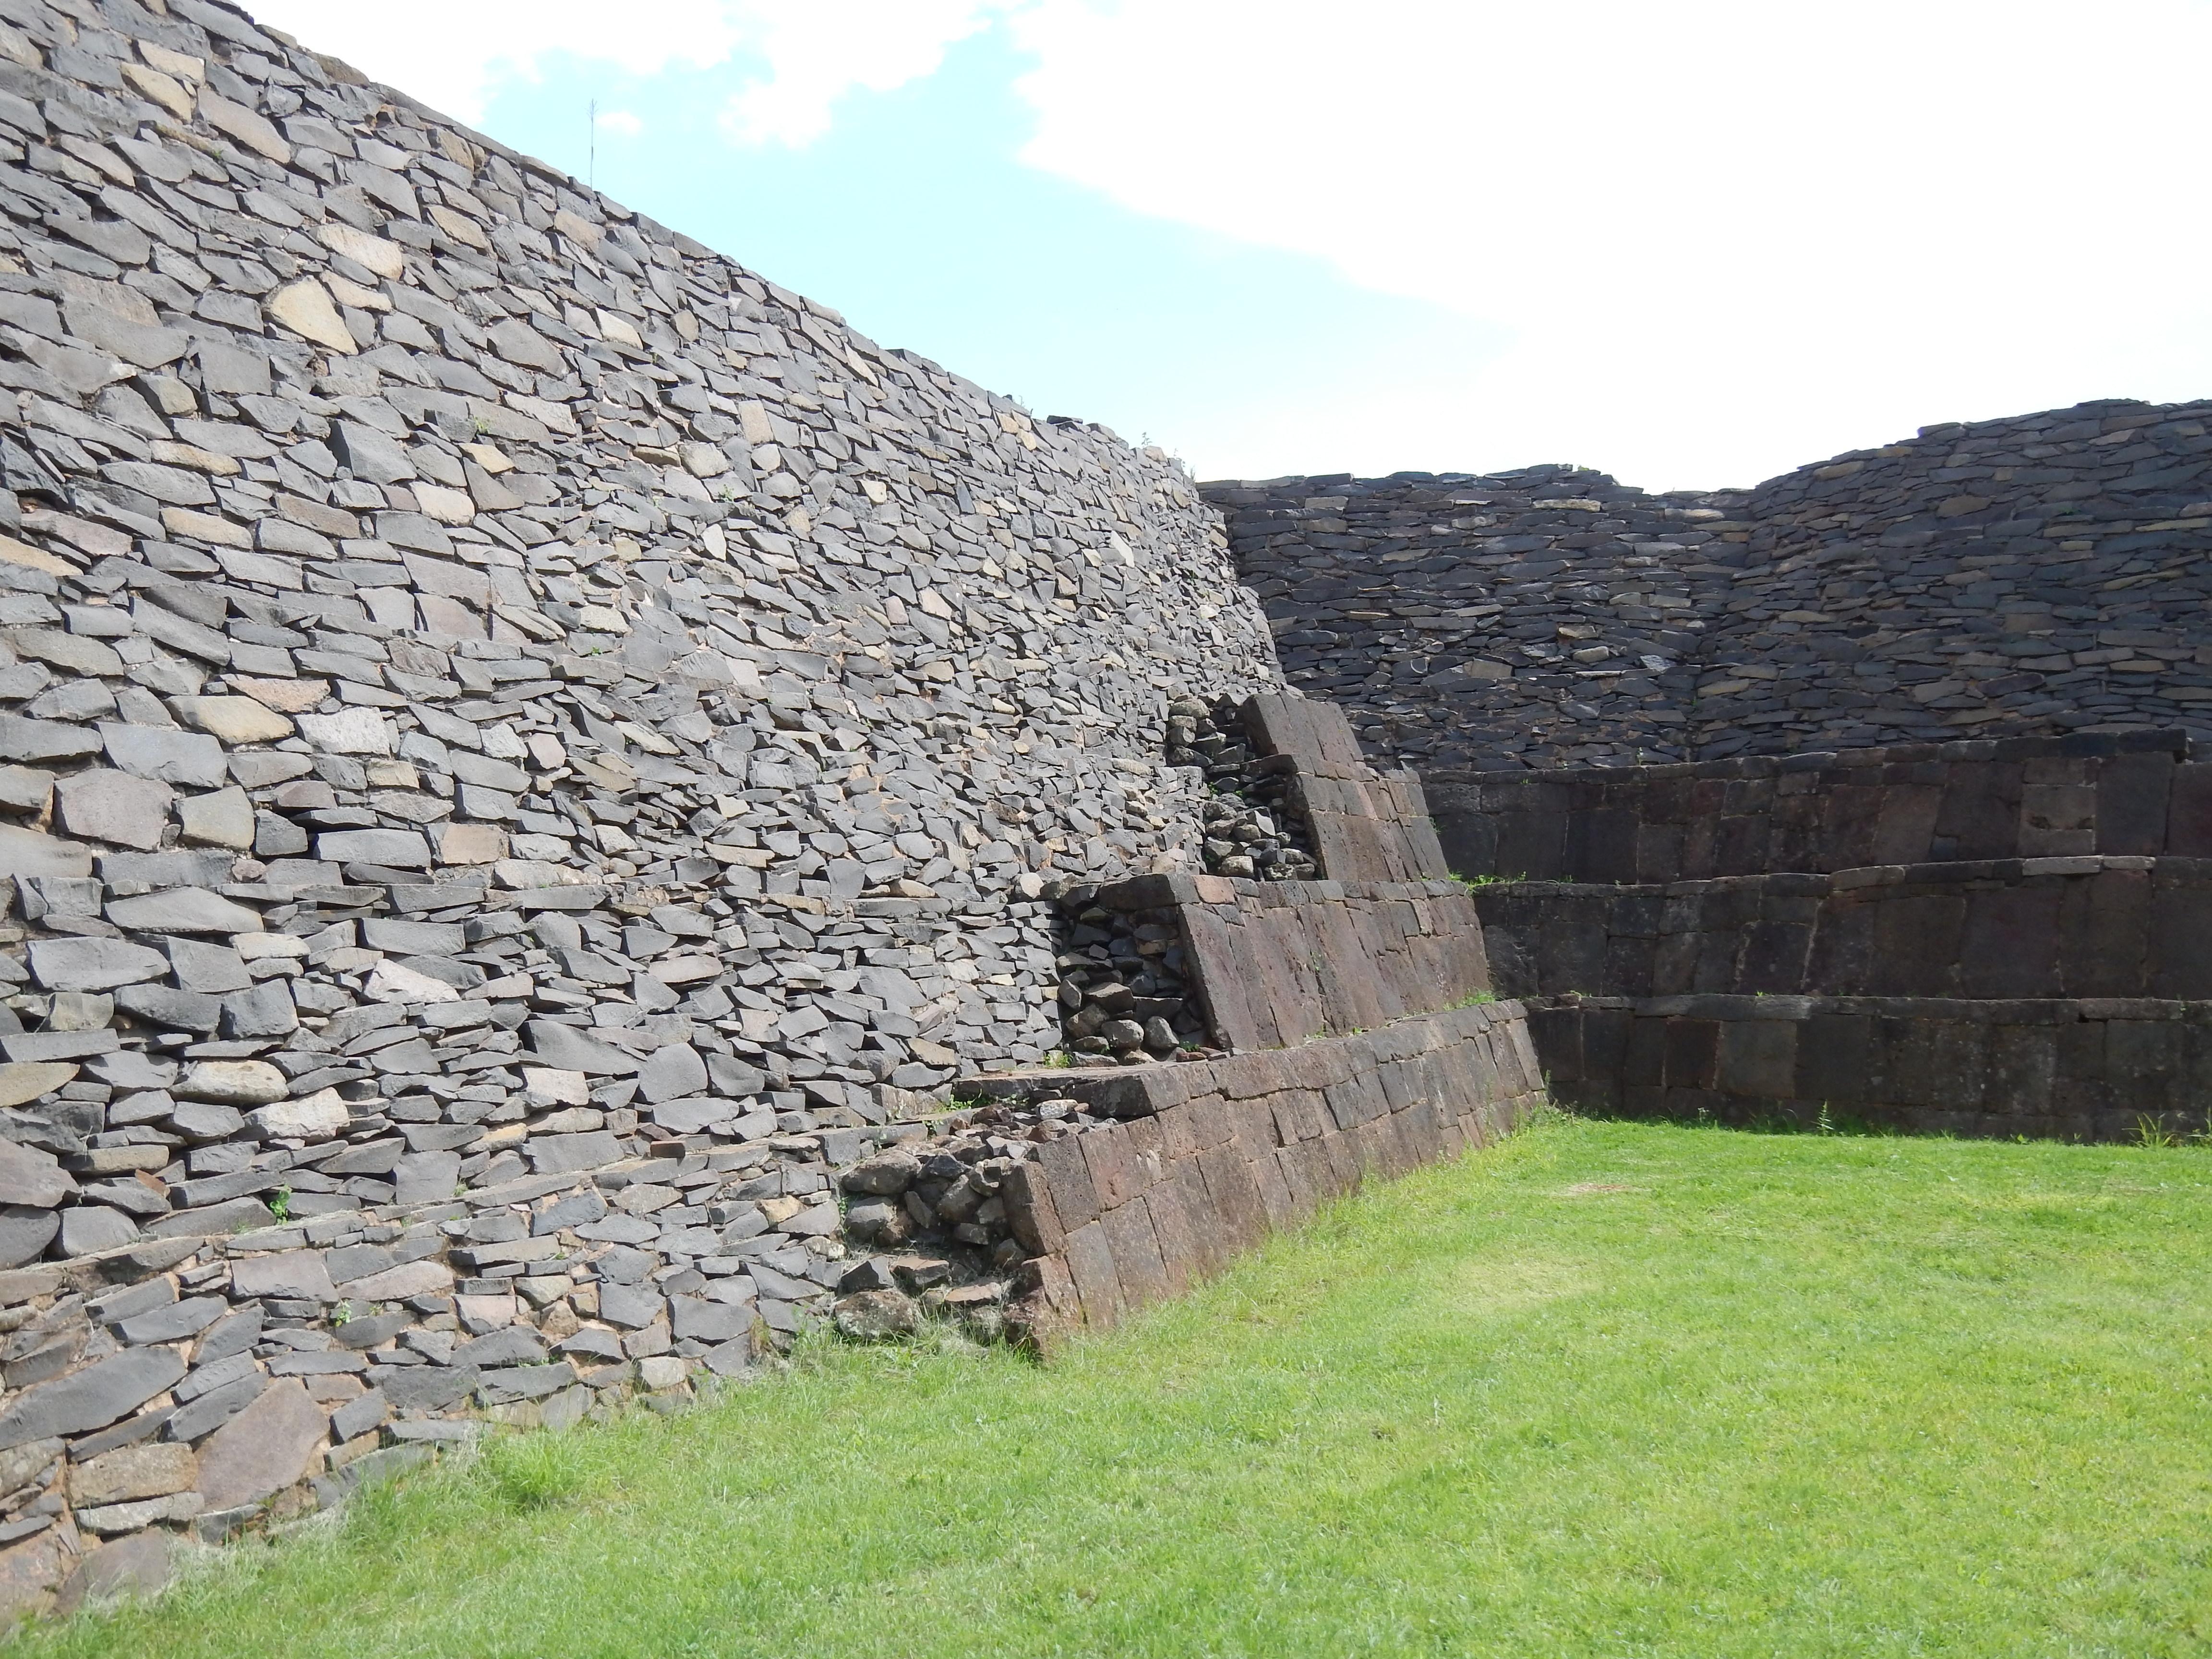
[591,167]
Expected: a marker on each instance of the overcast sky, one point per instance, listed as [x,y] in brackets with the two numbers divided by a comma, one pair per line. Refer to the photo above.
[1693,244]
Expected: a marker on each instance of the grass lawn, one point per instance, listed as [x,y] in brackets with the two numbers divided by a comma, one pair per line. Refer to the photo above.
[1612,1389]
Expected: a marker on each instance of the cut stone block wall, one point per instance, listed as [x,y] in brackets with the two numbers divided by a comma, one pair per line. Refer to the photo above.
[2085,1069]
[1207,1158]
[2139,794]
[2020,927]
[1278,962]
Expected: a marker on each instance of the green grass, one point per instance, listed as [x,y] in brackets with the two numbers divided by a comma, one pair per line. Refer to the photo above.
[1613,1390]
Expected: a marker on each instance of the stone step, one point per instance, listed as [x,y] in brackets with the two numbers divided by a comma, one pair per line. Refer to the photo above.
[2101,926]
[2079,1069]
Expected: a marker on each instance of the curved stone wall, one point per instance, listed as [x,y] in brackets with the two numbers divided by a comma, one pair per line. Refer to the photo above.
[2034,576]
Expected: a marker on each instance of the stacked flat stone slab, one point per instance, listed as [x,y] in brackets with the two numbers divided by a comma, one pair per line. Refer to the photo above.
[2079,1069]
[524,748]
[483,670]
[1532,617]
[2037,574]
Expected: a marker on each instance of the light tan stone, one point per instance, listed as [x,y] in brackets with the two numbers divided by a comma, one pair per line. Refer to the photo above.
[234,719]
[24,556]
[223,819]
[165,90]
[446,505]
[286,697]
[354,294]
[186,67]
[305,308]
[234,1082]
[251,129]
[472,843]
[377,253]
[198,459]
[135,1472]
[210,527]
[24,1080]
[579,230]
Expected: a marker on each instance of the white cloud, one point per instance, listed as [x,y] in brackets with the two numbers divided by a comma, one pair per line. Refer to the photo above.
[799,56]
[451,56]
[1727,237]
[1722,236]
[821,50]
[620,122]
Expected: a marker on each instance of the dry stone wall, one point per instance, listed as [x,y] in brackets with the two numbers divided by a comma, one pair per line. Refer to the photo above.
[526,750]
[2034,576]
[484,670]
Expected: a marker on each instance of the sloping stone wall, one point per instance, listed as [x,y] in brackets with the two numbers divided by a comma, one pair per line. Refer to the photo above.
[524,748]
[483,670]
[2041,574]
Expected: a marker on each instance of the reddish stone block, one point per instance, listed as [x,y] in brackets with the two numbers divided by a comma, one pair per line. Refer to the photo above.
[1293,1165]
[1342,1158]
[2009,944]
[1693,1050]
[1090,1265]
[1758,1057]
[2189,811]
[1136,1251]
[2180,960]
[1116,1171]
[2023,1067]
[1178,1133]
[1239,1209]
[2134,802]
[1173,1232]
[1027,1195]
[1068,1175]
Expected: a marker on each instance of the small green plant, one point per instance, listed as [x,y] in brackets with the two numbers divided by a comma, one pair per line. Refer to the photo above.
[1058,1060]
[1472,883]
[534,1471]
[281,1205]
[2150,1132]
[1475,999]
[343,1314]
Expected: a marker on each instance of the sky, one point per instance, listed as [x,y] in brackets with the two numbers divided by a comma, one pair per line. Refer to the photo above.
[1693,244]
